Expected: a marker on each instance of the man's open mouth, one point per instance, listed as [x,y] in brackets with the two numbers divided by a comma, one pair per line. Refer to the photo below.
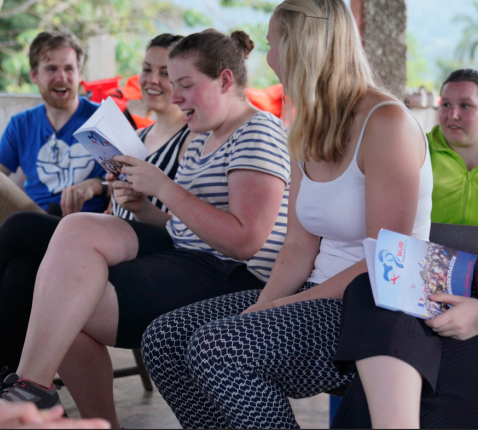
[60,91]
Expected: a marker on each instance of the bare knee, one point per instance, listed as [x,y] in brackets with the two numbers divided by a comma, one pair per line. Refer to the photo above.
[108,236]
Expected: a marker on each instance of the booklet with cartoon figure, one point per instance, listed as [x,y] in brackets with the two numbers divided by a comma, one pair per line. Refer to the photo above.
[107,134]
[404,271]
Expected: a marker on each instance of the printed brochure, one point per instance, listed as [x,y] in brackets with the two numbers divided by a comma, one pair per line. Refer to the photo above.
[404,271]
[107,134]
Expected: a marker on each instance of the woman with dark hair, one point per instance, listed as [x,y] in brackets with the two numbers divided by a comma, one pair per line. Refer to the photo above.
[104,279]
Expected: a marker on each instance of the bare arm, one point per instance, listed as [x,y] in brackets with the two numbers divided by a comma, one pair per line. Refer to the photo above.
[5,170]
[254,203]
[392,152]
[297,256]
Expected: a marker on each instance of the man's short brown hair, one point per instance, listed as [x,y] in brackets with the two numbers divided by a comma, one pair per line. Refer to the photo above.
[46,42]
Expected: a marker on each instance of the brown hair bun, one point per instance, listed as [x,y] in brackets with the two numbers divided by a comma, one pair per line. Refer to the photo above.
[244,42]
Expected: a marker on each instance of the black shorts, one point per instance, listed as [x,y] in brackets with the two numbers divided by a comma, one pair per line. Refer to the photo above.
[163,278]
[448,366]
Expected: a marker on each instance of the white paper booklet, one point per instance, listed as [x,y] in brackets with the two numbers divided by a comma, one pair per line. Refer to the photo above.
[404,271]
[108,133]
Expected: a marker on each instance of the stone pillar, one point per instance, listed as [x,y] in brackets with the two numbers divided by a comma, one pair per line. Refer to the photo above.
[383,25]
[101,61]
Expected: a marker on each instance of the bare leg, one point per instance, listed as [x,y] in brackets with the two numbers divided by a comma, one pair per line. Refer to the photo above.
[70,284]
[87,365]
[393,390]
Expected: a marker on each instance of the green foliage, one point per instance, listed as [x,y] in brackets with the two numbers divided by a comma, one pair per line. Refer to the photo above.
[129,55]
[129,20]
[261,75]
[469,40]
[194,18]
[261,5]
[417,66]
[447,66]
[132,22]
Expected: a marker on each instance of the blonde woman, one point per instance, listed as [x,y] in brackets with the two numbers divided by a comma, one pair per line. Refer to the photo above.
[361,164]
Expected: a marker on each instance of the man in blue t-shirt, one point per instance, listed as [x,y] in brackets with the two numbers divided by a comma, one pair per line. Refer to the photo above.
[59,170]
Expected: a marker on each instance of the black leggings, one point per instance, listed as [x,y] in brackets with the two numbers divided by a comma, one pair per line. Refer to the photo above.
[24,239]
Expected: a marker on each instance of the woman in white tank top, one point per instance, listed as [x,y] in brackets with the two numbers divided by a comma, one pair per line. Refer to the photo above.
[361,165]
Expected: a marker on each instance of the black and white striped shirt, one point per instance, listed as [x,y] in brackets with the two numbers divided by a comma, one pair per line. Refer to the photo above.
[166,158]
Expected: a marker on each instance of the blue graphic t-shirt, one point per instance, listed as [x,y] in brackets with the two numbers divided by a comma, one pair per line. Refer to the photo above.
[52,161]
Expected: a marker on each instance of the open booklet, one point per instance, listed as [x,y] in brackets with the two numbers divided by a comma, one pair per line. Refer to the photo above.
[108,133]
[404,271]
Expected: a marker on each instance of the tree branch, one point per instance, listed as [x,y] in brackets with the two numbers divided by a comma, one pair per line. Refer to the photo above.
[16,10]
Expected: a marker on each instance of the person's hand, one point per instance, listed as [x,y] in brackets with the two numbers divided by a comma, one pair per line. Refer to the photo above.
[460,322]
[74,197]
[127,198]
[27,416]
[143,177]
[258,307]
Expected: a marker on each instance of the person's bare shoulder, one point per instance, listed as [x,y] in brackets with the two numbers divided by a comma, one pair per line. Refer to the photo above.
[390,131]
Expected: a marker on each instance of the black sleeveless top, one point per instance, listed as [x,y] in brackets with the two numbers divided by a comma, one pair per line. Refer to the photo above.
[166,158]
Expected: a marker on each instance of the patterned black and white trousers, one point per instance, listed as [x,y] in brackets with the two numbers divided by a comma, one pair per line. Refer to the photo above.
[219,369]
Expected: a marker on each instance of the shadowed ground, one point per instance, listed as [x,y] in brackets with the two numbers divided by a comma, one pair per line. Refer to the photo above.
[138,409]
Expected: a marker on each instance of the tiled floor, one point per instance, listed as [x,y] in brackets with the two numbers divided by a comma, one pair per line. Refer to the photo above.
[138,409]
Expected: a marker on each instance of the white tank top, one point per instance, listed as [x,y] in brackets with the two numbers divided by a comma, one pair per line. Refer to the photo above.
[335,211]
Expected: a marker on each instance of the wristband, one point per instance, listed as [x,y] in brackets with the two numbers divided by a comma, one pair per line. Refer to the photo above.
[104,187]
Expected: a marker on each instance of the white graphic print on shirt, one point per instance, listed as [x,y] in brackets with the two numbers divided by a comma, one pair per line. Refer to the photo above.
[60,166]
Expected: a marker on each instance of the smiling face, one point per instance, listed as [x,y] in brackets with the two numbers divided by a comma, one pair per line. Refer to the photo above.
[58,78]
[458,113]
[154,82]
[274,38]
[198,96]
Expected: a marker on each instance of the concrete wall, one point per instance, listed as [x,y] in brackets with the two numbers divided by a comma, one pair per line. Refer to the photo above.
[101,61]
[11,104]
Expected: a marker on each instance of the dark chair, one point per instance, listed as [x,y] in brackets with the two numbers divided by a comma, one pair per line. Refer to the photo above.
[462,237]
[139,369]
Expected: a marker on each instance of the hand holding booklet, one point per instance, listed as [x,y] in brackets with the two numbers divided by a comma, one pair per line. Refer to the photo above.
[404,271]
[107,134]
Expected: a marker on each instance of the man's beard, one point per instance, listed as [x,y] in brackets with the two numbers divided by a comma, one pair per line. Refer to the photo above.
[57,103]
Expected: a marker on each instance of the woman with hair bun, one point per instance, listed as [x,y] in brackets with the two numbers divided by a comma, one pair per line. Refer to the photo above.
[360,164]
[104,279]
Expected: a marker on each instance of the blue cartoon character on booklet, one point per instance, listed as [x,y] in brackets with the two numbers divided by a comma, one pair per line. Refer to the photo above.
[389,260]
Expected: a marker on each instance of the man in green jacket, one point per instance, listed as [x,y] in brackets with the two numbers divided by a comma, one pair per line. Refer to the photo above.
[454,151]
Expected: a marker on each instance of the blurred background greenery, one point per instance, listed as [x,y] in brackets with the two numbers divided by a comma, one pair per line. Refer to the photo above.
[134,22]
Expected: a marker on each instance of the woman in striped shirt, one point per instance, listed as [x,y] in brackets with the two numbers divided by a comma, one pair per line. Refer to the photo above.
[104,279]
